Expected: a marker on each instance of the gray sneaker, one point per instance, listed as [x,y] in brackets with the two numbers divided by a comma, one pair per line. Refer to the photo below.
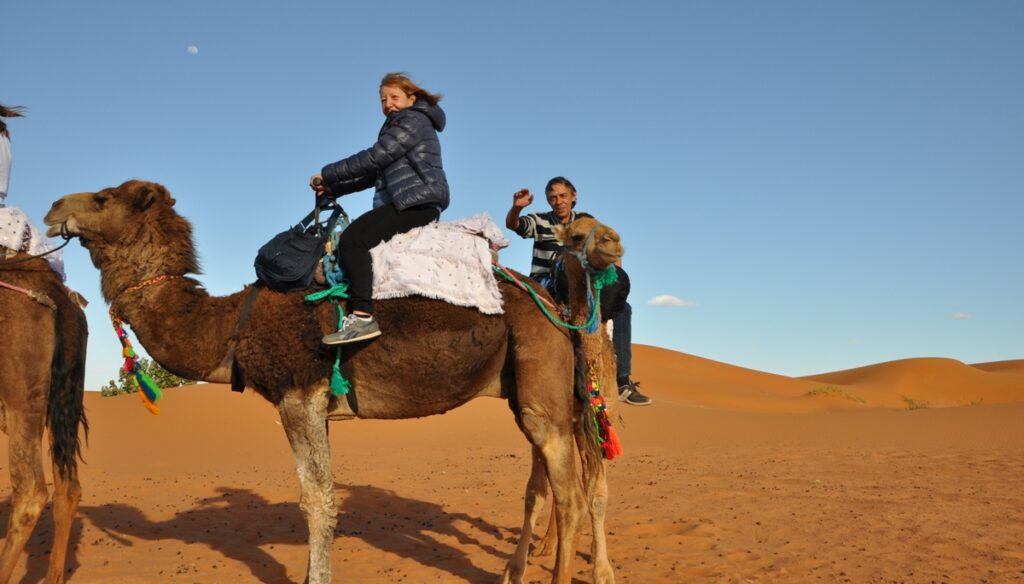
[630,393]
[353,329]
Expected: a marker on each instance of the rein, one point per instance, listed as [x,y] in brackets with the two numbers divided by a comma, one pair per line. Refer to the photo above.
[65,235]
[37,296]
[599,278]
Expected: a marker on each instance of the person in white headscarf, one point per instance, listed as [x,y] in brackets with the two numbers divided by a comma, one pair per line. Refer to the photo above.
[17,233]
[5,148]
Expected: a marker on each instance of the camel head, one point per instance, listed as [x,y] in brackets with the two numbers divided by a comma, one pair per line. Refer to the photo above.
[595,241]
[132,227]
[106,215]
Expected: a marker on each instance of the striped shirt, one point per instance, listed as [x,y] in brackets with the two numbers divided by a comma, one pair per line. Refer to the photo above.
[541,228]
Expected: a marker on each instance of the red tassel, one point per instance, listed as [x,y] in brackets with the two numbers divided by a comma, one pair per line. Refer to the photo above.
[612,447]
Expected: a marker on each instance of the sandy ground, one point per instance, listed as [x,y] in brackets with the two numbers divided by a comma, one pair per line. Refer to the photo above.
[909,471]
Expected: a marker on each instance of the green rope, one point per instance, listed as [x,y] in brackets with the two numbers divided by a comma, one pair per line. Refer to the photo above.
[339,385]
[602,278]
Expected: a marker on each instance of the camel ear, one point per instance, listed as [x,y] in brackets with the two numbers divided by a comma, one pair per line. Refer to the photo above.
[152,193]
[561,234]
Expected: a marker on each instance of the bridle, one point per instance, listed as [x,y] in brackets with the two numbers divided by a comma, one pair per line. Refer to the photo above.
[582,254]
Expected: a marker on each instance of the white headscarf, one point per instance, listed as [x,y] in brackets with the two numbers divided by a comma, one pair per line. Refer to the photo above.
[5,167]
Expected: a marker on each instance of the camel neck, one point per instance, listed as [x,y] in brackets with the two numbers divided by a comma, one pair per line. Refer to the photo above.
[139,286]
[180,325]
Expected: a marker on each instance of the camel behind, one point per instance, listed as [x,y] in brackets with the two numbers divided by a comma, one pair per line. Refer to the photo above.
[42,376]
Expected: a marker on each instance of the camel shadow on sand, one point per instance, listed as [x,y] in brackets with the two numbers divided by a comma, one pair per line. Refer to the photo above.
[242,525]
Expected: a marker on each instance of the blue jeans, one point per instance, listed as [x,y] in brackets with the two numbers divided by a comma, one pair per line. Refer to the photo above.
[622,340]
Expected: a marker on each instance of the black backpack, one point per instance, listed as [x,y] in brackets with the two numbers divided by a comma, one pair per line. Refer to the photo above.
[288,261]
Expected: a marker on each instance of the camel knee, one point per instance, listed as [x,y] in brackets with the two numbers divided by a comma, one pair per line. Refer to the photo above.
[26,512]
[537,428]
[318,505]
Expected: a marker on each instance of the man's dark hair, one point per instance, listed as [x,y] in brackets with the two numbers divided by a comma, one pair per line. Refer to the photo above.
[560,180]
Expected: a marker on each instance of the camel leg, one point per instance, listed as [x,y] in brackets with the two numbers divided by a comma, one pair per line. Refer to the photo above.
[596,494]
[28,485]
[555,444]
[595,475]
[536,493]
[304,416]
[67,492]
[596,489]
[546,545]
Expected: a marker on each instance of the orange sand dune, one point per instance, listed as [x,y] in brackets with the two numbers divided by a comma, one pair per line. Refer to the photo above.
[1014,367]
[926,382]
[932,382]
[695,381]
[730,476]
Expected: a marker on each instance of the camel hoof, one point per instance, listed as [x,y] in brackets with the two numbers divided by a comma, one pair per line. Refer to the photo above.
[604,574]
[509,578]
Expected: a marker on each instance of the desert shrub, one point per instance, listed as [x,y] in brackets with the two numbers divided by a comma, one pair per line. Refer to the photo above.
[836,391]
[126,384]
[913,404]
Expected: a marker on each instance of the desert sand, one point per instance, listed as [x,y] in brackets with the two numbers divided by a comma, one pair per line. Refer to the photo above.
[908,471]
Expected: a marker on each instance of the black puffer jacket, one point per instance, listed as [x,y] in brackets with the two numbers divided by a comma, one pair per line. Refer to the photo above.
[404,164]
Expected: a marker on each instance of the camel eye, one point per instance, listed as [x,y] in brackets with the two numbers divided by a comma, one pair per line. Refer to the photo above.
[577,237]
[100,199]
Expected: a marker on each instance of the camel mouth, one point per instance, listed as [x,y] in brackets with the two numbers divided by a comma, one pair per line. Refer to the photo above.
[65,228]
[612,252]
[55,230]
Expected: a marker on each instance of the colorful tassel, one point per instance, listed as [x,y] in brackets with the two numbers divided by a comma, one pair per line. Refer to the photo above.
[337,292]
[149,391]
[609,440]
[339,385]
[147,386]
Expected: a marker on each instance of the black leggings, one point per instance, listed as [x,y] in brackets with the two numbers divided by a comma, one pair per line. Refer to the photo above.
[368,230]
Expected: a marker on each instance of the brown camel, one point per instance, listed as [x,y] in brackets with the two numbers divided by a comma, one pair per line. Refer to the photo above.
[144,250]
[593,351]
[42,375]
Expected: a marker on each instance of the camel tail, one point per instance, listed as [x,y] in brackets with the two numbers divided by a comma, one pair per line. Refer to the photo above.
[65,410]
[587,438]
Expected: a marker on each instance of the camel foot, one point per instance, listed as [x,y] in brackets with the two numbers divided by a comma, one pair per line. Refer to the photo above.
[511,575]
[603,574]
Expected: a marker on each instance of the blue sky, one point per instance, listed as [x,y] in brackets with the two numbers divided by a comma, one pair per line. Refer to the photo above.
[823,184]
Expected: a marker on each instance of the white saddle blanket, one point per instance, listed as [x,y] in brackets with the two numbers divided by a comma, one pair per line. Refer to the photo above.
[17,233]
[446,260]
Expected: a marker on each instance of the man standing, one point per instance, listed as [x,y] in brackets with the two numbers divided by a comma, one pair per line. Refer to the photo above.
[561,195]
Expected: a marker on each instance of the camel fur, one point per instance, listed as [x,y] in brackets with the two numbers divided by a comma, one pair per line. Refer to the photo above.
[431,358]
[42,377]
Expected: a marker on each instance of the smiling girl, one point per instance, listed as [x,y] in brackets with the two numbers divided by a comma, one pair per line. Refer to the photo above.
[411,190]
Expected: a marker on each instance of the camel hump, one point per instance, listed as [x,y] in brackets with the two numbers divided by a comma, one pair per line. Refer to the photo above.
[446,260]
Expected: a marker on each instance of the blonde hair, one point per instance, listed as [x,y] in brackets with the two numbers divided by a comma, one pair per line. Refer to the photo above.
[402,81]
[15,111]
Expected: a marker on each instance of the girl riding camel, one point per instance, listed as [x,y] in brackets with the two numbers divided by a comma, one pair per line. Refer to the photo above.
[411,190]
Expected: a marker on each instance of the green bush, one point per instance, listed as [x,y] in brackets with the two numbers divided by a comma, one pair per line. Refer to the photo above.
[836,391]
[125,382]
